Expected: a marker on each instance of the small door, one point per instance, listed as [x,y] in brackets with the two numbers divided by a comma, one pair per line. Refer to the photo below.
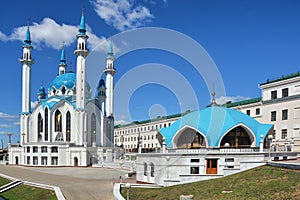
[75,162]
[17,160]
[211,166]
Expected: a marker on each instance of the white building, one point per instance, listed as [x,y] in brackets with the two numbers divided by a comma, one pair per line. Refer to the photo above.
[127,136]
[69,127]
[279,105]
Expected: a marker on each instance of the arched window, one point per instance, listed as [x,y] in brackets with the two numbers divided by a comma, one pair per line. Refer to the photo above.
[58,121]
[68,126]
[46,124]
[93,127]
[145,169]
[152,170]
[40,126]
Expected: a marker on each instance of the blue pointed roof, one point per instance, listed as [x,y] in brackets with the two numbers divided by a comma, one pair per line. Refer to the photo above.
[110,52]
[101,83]
[63,57]
[214,122]
[42,90]
[27,40]
[82,30]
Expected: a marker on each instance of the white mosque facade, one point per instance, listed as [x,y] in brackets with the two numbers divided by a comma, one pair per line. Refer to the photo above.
[68,127]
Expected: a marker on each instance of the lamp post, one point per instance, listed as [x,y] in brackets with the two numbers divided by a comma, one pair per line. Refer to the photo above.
[23,138]
[226,145]
[270,137]
[9,138]
[127,185]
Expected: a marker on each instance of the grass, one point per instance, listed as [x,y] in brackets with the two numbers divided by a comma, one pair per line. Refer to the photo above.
[4,181]
[25,192]
[264,182]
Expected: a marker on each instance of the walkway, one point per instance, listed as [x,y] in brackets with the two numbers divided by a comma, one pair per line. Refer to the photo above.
[75,183]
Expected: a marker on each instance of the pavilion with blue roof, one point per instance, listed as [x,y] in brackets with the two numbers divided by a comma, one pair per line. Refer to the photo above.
[215,126]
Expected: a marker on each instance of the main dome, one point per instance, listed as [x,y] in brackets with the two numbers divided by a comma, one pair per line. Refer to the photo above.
[67,80]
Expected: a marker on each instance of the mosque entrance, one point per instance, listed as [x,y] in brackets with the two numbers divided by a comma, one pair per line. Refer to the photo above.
[237,138]
[17,160]
[190,138]
[75,162]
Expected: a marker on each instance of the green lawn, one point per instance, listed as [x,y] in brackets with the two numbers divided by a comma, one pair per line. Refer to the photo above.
[4,181]
[264,182]
[25,192]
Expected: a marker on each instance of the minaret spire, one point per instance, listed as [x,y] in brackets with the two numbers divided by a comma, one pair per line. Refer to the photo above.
[82,24]
[110,72]
[63,63]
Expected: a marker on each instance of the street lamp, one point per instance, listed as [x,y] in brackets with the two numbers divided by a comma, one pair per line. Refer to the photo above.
[127,185]
[226,145]
[270,138]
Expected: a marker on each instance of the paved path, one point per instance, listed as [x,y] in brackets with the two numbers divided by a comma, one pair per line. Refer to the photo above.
[75,183]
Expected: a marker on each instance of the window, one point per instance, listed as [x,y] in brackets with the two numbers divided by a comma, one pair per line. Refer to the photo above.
[54,160]
[193,160]
[145,169]
[257,111]
[229,159]
[44,160]
[194,170]
[28,149]
[284,114]
[68,127]
[35,160]
[297,113]
[248,112]
[285,92]
[28,160]
[283,133]
[46,124]
[57,121]
[54,149]
[35,149]
[44,149]
[152,170]
[274,94]
[273,116]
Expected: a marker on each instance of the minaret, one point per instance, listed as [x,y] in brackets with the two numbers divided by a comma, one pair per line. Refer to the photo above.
[81,53]
[62,65]
[110,72]
[26,62]
[101,97]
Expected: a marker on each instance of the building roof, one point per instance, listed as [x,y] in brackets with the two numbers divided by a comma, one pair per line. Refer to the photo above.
[283,77]
[244,102]
[152,120]
[214,122]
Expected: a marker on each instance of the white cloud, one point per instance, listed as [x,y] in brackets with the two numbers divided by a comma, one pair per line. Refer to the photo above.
[223,99]
[122,14]
[51,34]
[5,126]
[121,122]
[17,123]
[3,37]
[7,116]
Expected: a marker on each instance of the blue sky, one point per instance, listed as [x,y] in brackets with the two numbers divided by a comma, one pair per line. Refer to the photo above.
[249,41]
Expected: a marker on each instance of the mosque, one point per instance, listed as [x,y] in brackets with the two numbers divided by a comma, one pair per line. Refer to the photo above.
[68,127]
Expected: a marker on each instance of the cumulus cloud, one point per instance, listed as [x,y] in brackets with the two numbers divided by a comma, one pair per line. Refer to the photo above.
[122,14]
[3,37]
[223,99]
[51,34]
[5,126]
[7,116]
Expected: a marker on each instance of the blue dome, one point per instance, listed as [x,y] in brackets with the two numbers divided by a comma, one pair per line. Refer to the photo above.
[214,122]
[68,80]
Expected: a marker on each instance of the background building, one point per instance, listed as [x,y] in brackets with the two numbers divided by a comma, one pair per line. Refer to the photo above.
[278,105]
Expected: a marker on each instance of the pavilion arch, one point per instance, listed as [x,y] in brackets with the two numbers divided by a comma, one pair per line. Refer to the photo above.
[189,137]
[239,136]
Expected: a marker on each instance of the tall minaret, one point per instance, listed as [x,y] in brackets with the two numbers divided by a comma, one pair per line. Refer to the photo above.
[81,53]
[62,65]
[110,72]
[26,61]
